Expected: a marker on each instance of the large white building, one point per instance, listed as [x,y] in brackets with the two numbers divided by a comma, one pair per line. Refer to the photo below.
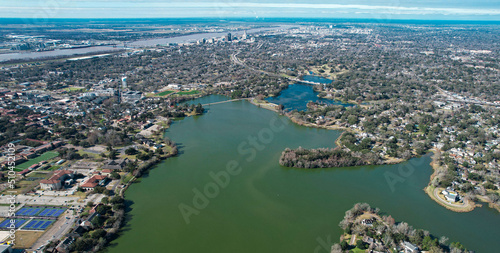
[56,181]
[124,82]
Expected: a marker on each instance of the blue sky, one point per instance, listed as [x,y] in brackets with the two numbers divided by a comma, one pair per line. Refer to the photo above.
[374,9]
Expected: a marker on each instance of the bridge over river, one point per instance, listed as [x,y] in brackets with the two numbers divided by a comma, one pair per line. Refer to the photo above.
[221,102]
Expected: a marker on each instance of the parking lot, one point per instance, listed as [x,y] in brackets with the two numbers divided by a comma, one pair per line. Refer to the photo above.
[40,200]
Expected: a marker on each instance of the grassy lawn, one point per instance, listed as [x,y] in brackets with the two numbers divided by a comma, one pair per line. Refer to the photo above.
[43,157]
[164,93]
[191,92]
[24,239]
[130,157]
[75,89]
[357,250]
[39,174]
[24,186]
[81,195]
[127,178]
[167,149]
[55,167]
[81,152]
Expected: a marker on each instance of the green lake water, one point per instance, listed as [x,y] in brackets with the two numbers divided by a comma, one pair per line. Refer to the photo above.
[268,208]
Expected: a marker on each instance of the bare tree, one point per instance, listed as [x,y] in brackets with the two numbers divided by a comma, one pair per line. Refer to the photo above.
[443,240]
[336,248]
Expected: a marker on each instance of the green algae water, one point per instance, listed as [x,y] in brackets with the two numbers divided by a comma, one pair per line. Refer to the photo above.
[266,208]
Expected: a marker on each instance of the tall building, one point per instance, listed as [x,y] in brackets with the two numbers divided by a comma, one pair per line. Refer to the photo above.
[124,82]
[228,37]
[245,36]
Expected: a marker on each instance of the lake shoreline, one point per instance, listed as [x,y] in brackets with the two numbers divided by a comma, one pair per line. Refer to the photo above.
[429,190]
[321,141]
[470,206]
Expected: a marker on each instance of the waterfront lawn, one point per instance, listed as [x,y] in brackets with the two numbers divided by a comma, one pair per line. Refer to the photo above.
[43,157]
[191,92]
[127,178]
[164,93]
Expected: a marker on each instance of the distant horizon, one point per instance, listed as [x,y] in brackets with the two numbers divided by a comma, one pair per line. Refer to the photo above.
[265,19]
[484,10]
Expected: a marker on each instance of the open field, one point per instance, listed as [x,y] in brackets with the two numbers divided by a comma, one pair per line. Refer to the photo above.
[94,155]
[43,157]
[164,93]
[39,174]
[24,239]
[24,186]
[191,92]
[82,89]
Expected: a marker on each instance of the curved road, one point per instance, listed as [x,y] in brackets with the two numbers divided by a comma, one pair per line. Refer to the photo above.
[465,204]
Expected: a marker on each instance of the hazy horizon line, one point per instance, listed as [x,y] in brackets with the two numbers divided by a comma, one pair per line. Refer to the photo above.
[259,18]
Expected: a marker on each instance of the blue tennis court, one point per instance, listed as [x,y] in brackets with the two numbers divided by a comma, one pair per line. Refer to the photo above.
[52,212]
[6,223]
[28,211]
[45,225]
[38,224]
[44,212]
[34,211]
[30,224]
[22,211]
[58,212]
[40,211]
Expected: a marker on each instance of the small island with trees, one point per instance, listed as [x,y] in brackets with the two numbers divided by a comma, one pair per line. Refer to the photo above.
[320,158]
[366,229]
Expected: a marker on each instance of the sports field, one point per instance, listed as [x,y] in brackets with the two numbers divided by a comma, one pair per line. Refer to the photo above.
[43,157]
[191,92]
[164,93]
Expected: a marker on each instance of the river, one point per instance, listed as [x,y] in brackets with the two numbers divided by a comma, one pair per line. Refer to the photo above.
[134,44]
[198,36]
[269,208]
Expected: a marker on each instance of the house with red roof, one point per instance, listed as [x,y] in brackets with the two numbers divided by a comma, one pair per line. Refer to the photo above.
[24,172]
[95,180]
